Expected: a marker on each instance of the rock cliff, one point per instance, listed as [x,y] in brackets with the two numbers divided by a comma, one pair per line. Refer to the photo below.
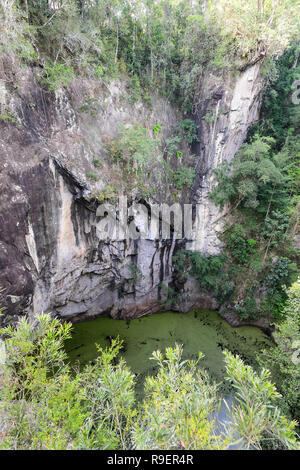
[50,257]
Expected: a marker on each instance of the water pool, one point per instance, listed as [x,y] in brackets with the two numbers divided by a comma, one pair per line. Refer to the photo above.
[198,330]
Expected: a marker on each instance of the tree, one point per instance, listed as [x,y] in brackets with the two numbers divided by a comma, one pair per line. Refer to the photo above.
[283,360]
[178,403]
[259,27]
[254,415]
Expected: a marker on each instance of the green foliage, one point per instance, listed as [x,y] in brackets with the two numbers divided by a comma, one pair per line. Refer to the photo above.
[133,149]
[259,189]
[257,178]
[58,75]
[273,304]
[97,162]
[92,176]
[257,27]
[109,193]
[17,38]
[157,129]
[90,106]
[213,273]
[281,273]
[275,228]
[136,274]
[135,90]
[188,129]
[248,307]
[109,393]
[240,247]
[199,30]
[181,265]
[283,360]
[255,416]
[172,297]
[210,116]
[163,45]
[8,117]
[178,403]
[183,177]
[278,116]
[44,404]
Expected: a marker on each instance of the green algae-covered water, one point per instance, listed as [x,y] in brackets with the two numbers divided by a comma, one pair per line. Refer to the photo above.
[198,330]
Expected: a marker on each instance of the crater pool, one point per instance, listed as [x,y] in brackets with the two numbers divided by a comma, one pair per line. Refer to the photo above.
[198,330]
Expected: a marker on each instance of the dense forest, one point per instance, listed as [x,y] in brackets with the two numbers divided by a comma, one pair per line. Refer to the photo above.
[167,50]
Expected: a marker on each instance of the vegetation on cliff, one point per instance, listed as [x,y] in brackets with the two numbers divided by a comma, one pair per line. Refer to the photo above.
[258,192]
[166,47]
[163,44]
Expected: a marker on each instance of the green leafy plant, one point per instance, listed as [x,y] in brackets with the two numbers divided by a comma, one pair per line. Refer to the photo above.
[157,129]
[255,415]
[44,404]
[9,116]
[183,177]
[188,129]
[92,176]
[90,106]
[133,149]
[283,360]
[97,162]
[239,246]
[58,75]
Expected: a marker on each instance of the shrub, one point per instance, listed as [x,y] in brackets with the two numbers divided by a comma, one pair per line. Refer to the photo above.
[157,129]
[92,176]
[283,360]
[58,75]
[239,246]
[188,129]
[47,406]
[133,149]
[44,404]
[281,273]
[183,177]
[214,273]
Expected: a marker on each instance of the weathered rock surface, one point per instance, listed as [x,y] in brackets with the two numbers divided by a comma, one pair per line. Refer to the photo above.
[226,110]
[50,256]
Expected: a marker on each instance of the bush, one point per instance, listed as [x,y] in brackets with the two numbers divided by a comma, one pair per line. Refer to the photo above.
[283,360]
[184,177]
[214,274]
[92,176]
[44,404]
[282,272]
[134,151]
[188,129]
[57,75]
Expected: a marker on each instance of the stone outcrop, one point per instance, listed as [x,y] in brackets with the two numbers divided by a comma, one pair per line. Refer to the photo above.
[225,113]
[50,257]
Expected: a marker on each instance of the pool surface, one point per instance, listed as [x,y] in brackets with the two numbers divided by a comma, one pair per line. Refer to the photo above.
[198,330]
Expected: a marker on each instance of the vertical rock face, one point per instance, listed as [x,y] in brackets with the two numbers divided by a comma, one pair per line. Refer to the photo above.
[84,276]
[50,256]
[226,112]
